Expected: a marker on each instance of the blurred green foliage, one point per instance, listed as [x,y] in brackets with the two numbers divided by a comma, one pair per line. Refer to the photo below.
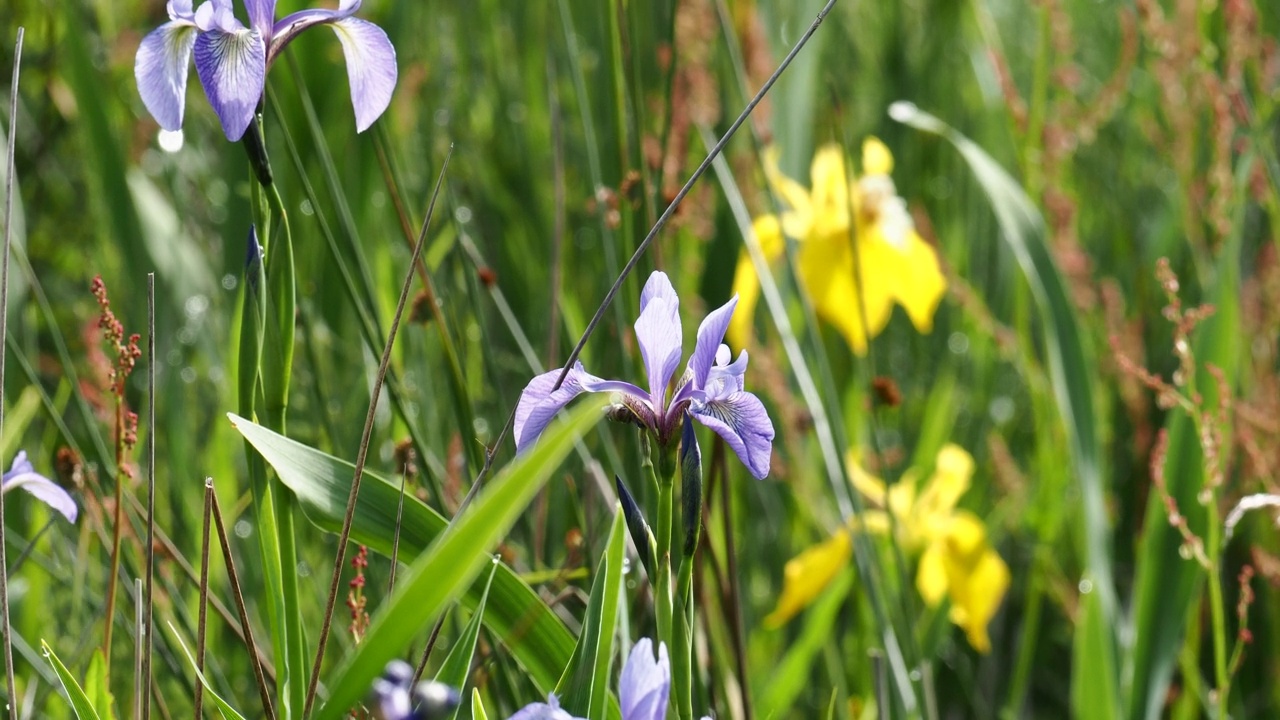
[1139,131]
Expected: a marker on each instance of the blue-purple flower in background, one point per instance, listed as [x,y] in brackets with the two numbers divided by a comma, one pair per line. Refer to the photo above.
[23,475]
[710,390]
[642,690]
[232,60]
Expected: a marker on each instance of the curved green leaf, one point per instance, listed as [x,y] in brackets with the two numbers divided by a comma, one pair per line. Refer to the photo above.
[75,694]
[452,557]
[1095,686]
[457,664]
[589,672]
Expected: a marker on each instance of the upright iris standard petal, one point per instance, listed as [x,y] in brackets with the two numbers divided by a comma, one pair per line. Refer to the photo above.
[645,683]
[160,69]
[23,475]
[710,336]
[232,65]
[658,334]
[371,68]
[262,15]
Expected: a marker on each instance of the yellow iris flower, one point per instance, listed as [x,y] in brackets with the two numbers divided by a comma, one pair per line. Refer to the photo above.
[955,560]
[896,264]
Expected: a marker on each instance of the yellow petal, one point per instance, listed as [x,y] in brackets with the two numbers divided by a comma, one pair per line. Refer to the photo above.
[746,283]
[797,218]
[808,574]
[949,482]
[977,579]
[829,196]
[826,269]
[909,275]
[876,158]
[931,576]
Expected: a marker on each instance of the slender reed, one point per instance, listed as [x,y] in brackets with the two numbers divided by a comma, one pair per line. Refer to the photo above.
[149,625]
[234,577]
[688,186]
[204,594]
[363,452]
[11,692]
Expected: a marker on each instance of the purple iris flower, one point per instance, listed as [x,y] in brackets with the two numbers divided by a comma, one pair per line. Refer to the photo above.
[23,475]
[232,60]
[642,690]
[710,390]
[394,696]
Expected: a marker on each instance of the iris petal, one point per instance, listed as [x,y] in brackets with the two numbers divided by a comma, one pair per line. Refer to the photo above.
[741,420]
[371,68]
[232,66]
[160,69]
[645,683]
[659,335]
[22,475]
[710,335]
[261,14]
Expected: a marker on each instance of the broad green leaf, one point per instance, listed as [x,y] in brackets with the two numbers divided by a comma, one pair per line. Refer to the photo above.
[1095,675]
[457,664]
[75,694]
[514,613]
[588,673]
[444,571]
[1167,585]
[97,689]
[228,712]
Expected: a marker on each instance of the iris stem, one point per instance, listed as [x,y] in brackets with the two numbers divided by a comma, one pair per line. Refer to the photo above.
[662,583]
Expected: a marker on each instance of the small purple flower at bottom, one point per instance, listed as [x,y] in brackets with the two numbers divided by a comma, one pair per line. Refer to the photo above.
[643,689]
[23,475]
[393,696]
[710,390]
[232,60]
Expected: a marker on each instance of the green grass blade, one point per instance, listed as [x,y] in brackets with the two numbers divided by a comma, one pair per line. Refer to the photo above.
[477,706]
[445,570]
[75,694]
[794,673]
[228,712]
[1095,675]
[457,664]
[588,674]
[96,687]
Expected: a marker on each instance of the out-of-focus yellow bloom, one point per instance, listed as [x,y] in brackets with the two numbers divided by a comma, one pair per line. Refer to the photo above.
[808,574]
[956,562]
[896,264]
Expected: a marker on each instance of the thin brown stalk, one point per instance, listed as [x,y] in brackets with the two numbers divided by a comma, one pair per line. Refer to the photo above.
[363,452]
[426,651]
[688,186]
[149,625]
[395,539]
[204,594]
[4,335]
[234,577]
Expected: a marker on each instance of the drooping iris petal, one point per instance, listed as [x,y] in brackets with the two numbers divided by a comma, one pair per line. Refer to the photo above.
[371,68]
[23,475]
[710,336]
[741,420]
[539,403]
[232,67]
[160,69]
[658,333]
[549,710]
[645,683]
